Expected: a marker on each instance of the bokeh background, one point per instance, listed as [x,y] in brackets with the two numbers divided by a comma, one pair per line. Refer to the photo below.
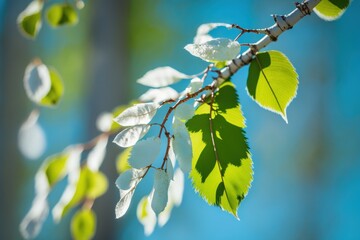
[306,183]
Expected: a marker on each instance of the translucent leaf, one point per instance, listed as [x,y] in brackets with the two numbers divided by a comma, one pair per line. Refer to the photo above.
[331,9]
[145,152]
[184,112]
[161,187]
[131,135]
[97,154]
[182,145]
[56,91]
[37,81]
[73,170]
[138,114]
[55,167]
[96,184]
[31,225]
[61,14]
[31,137]
[159,95]
[272,81]
[29,20]
[83,224]
[215,50]
[127,183]
[221,164]
[146,215]
[115,127]
[162,77]
[195,85]
[202,33]
[122,163]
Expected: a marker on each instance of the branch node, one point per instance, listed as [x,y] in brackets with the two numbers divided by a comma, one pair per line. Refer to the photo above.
[303,8]
[281,22]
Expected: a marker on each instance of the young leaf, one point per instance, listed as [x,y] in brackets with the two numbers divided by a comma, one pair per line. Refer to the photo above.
[131,135]
[215,50]
[202,33]
[159,95]
[330,10]
[55,167]
[182,145]
[61,14]
[146,215]
[141,113]
[83,224]
[221,164]
[56,91]
[162,77]
[29,20]
[145,152]
[127,183]
[272,81]
[161,187]
[37,81]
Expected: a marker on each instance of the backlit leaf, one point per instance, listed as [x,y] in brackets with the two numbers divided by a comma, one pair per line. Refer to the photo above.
[55,167]
[146,215]
[159,95]
[29,20]
[161,186]
[83,224]
[131,135]
[331,9]
[145,152]
[182,145]
[272,81]
[141,113]
[221,164]
[61,14]
[215,50]
[56,90]
[184,112]
[162,77]
[97,154]
[122,163]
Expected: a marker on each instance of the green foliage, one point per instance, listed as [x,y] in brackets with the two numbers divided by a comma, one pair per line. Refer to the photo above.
[272,81]
[90,185]
[331,9]
[221,165]
[83,224]
[29,20]
[122,163]
[56,90]
[61,15]
[55,168]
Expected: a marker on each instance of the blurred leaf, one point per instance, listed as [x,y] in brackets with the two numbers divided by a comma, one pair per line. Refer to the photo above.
[83,224]
[29,20]
[61,14]
[331,9]
[56,90]
[202,33]
[161,77]
[55,167]
[272,81]
[122,163]
[146,215]
[221,165]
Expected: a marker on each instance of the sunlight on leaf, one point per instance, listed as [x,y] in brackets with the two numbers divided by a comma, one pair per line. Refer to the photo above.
[162,77]
[202,33]
[122,163]
[182,145]
[221,164]
[161,186]
[131,135]
[145,152]
[330,10]
[159,95]
[29,20]
[272,82]
[141,113]
[146,215]
[97,154]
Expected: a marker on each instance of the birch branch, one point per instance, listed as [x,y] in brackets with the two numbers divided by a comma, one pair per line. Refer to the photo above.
[282,24]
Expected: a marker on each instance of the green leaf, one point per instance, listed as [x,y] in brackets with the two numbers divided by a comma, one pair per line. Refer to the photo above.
[83,224]
[90,184]
[221,165]
[29,20]
[55,168]
[272,81]
[61,14]
[56,90]
[122,163]
[331,9]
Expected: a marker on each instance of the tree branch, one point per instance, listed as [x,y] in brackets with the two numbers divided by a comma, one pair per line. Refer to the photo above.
[282,24]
